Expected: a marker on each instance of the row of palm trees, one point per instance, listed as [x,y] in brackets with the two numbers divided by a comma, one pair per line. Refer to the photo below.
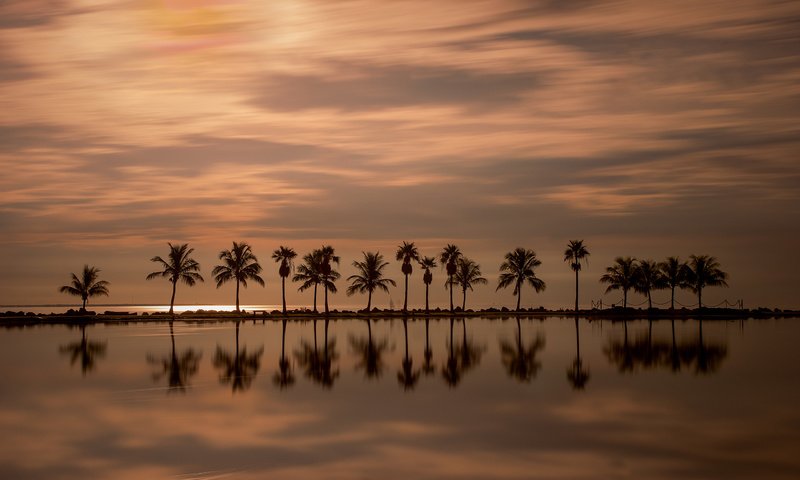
[240,265]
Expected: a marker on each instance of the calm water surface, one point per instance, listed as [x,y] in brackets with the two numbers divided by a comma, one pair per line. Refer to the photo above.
[489,399]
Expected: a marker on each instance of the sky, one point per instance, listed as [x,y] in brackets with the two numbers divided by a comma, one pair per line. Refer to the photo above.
[646,129]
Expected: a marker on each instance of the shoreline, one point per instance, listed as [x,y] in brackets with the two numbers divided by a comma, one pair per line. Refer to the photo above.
[11,319]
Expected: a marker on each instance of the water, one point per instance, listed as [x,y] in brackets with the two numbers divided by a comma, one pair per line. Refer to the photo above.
[151,401]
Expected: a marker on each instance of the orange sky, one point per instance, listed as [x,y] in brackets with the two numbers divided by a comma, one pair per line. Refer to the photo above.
[645,128]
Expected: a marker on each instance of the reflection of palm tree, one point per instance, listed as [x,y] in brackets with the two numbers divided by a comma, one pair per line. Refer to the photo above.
[240,265]
[240,368]
[704,272]
[449,258]
[575,252]
[521,361]
[87,286]
[369,277]
[407,376]
[518,269]
[468,274]
[310,273]
[180,267]
[370,353]
[318,367]
[576,374]
[620,276]
[450,371]
[178,369]
[407,252]
[427,366]
[284,377]
[427,263]
[285,256]
[648,277]
[86,351]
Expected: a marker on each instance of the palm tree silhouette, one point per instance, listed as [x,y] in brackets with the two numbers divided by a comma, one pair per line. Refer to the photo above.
[521,361]
[240,265]
[319,367]
[467,275]
[285,256]
[704,271]
[87,351]
[310,273]
[449,258]
[576,374]
[86,286]
[329,275]
[518,269]
[369,277]
[284,377]
[620,276]
[648,277]
[407,252]
[177,369]
[407,376]
[237,368]
[674,272]
[179,267]
[575,252]
[427,263]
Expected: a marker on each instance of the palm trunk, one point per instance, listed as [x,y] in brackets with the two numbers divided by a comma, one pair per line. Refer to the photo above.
[369,302]
[315,298]
[283,292]
[84,304]
[576,291]
[464,301]
[625,299]
[649,301]
[172,300]
[426,299]
[237,303]
[519,295]
[405,297]
[672,299]
[450,281]
[699,298]
[326,297]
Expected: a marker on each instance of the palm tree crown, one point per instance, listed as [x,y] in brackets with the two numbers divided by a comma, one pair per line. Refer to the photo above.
[369,277]
[449,259]
[285,256]
[468,274]
[310,273]
[620,276]
[240,265]
[575,252]
[704,271]
[648,277]
[674,272]
[407,252]
[179,267]
[518,269]
[87,285]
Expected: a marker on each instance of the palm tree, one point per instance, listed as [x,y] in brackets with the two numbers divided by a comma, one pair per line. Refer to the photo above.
[620,276]
[674,272]
[575,252]
[240,265]
[427,263]
[407,252]
[329,275]
[284,256]
[517,269]
[179,267]
[370,277]
[648,277]
[86,286]
[178,369]
[704,272]
[310,273]
[449,258]
[467,275]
